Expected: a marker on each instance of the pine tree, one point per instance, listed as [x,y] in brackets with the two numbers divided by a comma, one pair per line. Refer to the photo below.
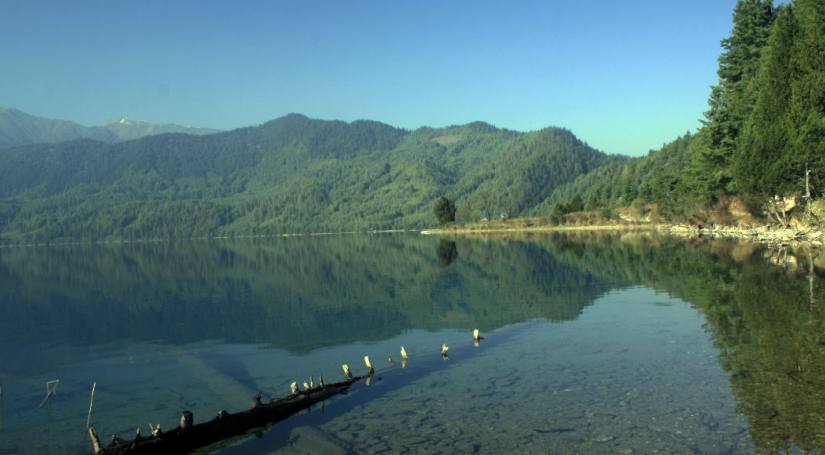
[732,100]
[760,164]
[808,93]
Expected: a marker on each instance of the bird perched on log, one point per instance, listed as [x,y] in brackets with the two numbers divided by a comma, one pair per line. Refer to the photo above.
[369,365]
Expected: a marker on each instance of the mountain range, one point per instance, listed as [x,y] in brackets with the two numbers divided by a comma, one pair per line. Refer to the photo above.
[292,174]
[20,128]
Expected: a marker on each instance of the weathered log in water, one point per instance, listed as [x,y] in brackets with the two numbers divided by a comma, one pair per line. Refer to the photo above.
[188,437]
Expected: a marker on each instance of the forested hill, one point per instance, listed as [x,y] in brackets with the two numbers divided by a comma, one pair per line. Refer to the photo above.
[293,174]
[19,128]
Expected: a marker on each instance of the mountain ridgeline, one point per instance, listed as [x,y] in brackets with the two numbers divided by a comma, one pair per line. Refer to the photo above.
[19,128]
[293,174]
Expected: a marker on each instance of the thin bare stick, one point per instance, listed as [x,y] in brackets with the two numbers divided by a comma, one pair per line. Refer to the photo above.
[91,403]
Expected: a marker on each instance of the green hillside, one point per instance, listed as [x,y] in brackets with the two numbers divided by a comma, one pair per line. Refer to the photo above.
[654,178]
[293,174]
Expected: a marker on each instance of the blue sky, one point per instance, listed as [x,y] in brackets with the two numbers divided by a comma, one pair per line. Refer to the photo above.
[623,76]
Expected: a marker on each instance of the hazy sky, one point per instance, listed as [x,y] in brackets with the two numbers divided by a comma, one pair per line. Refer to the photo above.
[625,76]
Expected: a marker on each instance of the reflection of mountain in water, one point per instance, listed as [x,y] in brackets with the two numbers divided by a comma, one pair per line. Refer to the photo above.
[297,293]
[768,322]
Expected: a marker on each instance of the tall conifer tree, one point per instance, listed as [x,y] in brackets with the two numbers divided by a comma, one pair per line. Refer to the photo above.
[760,164]
[808,93]
[732,100]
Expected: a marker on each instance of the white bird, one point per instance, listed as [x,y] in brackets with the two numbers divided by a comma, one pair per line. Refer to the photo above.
[476,335]
[294,388]
[348,373]
[306,385]
[444,349]
[403,353]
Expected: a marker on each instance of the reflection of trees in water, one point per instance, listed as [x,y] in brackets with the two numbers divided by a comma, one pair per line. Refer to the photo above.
[297,293]
[762,307]
[447,252]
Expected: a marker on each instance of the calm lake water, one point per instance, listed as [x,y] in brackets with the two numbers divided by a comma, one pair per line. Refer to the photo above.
[594,343]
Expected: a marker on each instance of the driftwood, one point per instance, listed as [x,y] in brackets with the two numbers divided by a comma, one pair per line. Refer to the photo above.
[188,437]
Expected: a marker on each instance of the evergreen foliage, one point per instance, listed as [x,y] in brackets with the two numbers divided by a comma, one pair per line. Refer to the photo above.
[767,133]
[444,211]
[655,178]
[732,99]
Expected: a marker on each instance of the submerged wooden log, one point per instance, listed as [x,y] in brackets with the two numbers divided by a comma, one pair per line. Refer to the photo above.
[188,437]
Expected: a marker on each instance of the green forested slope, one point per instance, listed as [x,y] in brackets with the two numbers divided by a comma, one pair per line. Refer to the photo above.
[293,174]
[656,177]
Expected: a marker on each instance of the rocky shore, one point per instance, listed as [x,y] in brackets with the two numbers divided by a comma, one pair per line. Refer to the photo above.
[765,234]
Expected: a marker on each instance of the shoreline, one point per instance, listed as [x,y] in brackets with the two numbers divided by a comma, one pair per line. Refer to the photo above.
[545,228]
[770,235]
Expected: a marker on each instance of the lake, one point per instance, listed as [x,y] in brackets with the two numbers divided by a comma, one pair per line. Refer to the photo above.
[594,343]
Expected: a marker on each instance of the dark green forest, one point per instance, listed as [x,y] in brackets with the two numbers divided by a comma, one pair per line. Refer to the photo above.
[765,124]
[293,174]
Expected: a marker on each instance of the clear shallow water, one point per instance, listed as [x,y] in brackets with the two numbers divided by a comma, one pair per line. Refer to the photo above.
[594,344]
